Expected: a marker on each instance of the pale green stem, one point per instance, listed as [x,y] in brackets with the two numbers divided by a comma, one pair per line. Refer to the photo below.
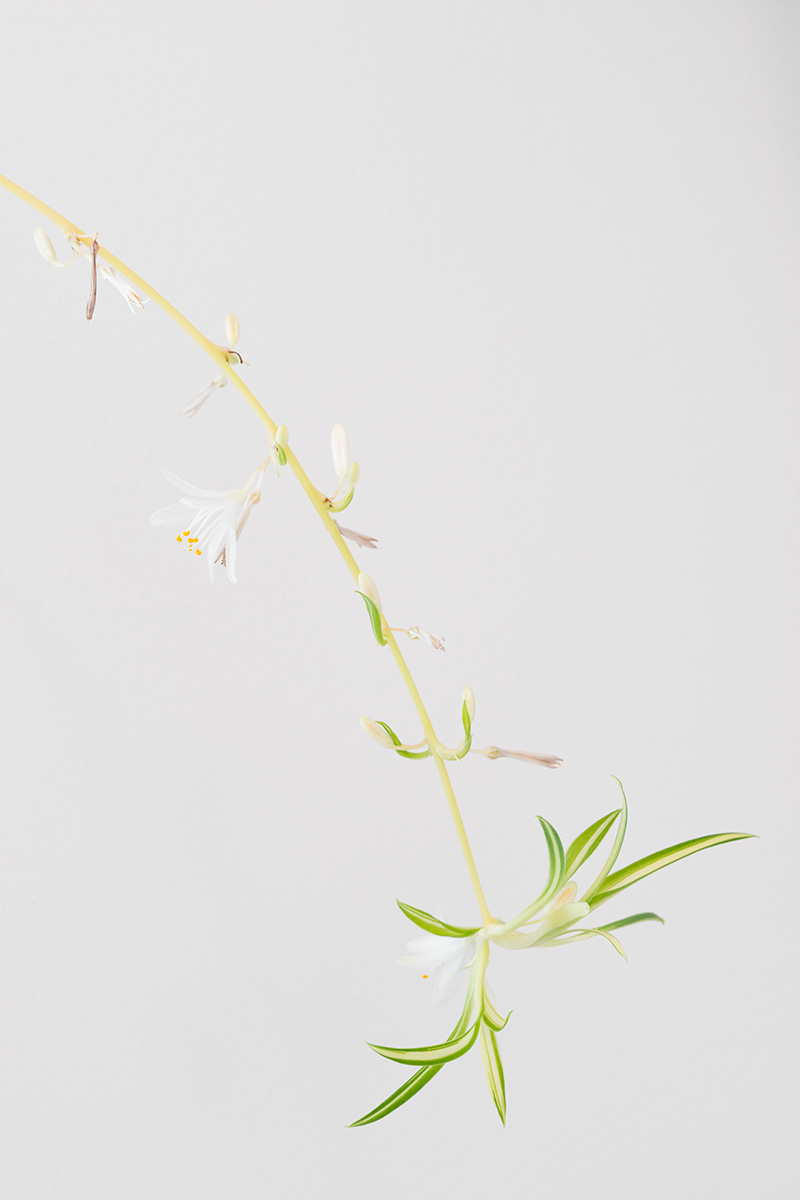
[218,356]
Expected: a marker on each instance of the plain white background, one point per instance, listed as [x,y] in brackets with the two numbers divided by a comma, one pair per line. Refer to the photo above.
[541,259]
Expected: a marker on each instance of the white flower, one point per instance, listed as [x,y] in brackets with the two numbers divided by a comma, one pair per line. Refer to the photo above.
[544,760]
[416,633]
[444,957]
[360,539]
[209,523]
[132,298]
[197,401]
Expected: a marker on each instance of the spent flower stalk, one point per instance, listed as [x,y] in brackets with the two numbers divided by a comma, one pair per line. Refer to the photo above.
[209,524]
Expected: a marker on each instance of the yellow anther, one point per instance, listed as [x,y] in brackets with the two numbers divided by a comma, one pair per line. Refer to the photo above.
[179,538]
[186,532]
[198,551]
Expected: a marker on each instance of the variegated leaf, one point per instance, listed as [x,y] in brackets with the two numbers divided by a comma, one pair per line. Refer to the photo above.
[629,875]
[433,925]
[423,1056]
[492,1016]
[615,849]
[404,1093]
[555,879]
[634,920]
[493,1069]
[587,842]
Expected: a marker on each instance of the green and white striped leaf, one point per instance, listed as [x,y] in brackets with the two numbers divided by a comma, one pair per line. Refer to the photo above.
[397,742]
[581,935]
[615,849]
[634,920]
[620,880]
[425,1074]
[433,925]
[555,879]
[587,842]
[493,1069]
[491,1016]
[424,1056]
[404,1093]
[374,619]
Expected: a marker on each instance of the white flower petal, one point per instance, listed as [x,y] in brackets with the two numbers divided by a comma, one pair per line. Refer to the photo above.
[446,983]
[189,490]
[172,514]
[230,554]
[428,944]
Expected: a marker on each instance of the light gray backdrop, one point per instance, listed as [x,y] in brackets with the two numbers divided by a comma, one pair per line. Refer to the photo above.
[541,259]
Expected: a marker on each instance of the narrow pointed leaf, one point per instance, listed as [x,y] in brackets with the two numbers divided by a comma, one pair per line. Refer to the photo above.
[555,878]
[581,935]
[374,617]
[615,849]
[662,858]
[425,1074]
[493,1068]
[424,1056]
[433,925]
[634,920]
[587,842]
[491,1016]
[404,1093]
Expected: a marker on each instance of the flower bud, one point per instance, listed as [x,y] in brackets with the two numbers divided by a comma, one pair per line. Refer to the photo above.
[353,475]
[341,450]
[468,698]
[231,329]
[44,246]
[366,586]
[374,730]
[282,437]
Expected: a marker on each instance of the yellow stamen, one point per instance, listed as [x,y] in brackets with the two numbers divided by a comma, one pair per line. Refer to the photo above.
[179,538]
